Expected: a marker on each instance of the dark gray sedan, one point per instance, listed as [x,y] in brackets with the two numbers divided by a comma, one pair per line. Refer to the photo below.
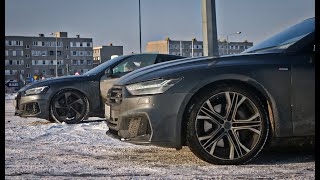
[72,99]
[225,109]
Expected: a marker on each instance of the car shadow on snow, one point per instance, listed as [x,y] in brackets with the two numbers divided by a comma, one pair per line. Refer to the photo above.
[285,155]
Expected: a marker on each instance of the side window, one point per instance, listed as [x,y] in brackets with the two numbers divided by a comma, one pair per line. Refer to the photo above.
[134,62]
[164,58]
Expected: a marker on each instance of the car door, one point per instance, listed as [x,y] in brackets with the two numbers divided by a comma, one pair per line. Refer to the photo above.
[303,93]
[130,64]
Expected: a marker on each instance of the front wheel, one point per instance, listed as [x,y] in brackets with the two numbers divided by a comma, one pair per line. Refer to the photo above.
[69,106]
[227,125]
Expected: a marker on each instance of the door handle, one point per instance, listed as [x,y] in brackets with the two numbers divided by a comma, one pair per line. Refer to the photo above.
[283,69]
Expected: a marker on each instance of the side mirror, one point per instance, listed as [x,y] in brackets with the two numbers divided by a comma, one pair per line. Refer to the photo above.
[108,72]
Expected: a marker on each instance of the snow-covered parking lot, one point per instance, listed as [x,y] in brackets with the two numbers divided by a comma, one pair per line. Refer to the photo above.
[36,149]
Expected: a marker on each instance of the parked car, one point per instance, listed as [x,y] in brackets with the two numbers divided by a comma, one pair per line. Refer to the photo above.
[225,109]
[72,99]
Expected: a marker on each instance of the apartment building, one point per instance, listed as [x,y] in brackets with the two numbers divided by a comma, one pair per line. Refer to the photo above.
[194,48]
[28,58]
[102,54]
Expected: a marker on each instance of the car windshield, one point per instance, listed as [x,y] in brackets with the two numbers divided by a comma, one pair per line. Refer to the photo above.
[104,66]
[286,38]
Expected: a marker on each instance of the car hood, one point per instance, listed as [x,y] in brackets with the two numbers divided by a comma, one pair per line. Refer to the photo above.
[169,69]
[54,80]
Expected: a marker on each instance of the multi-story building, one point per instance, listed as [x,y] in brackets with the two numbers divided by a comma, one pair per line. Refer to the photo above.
[37,57]
[102,54]
[194,48]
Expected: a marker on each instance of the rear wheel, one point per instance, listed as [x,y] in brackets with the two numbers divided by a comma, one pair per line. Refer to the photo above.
[227,125]
[69,106]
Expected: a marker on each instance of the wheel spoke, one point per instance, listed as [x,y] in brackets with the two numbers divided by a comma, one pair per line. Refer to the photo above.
[232,104]
[66,97]
[80,101]
[249,127]
[212,114]
[77,113]
[58,106]
[234,146]
[213,138]
[208,117]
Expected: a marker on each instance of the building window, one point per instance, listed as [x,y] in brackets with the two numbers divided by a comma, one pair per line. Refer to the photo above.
[14,53]
[60,72]
[67,47]
[27,65]
[51,53]
[28,75]
[89,62]
[58,53]
[89,53]
[18,62]
[74,44]
[43,62]
[27,56]
[7,53]
[81,53]
[51,71]
[67,56]
[43,72]
[88,44]
[10,43]
[74,62]
[74,53]
[81,44]
[43,43]
[10,62]
[35,43]
[59,44]
[51,62]
[81,62]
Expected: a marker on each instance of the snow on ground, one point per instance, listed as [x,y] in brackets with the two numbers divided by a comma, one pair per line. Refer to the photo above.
[37,149]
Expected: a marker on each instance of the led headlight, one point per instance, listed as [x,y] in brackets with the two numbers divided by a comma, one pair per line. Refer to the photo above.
[37,90]
[152,87]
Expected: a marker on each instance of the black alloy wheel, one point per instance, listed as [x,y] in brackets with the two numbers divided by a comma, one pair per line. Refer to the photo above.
[227,125]
[69,106]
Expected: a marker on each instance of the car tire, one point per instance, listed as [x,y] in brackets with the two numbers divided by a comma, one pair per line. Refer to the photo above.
[69,106]
[227,125]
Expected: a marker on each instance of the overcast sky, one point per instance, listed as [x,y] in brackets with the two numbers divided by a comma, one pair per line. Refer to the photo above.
[117,21]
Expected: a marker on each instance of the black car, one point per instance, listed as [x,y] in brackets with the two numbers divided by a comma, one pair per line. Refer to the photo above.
[72,99]
[225,109]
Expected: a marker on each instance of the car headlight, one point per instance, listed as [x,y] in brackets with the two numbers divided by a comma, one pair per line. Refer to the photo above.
[37,90]
[152,87]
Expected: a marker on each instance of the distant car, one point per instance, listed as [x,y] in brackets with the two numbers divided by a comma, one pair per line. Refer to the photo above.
[72,99]
[225,109]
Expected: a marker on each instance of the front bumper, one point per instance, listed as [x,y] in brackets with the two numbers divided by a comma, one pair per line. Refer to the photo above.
[153,119]
[32,106]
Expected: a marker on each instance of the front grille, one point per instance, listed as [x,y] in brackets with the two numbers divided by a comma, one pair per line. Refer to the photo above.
[32,108]
[114,95]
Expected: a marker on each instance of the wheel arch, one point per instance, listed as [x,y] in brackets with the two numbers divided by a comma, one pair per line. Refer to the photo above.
[246,82]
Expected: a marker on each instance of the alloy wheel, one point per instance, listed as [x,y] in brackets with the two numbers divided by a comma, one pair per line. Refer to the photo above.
[228,125]
[69,107]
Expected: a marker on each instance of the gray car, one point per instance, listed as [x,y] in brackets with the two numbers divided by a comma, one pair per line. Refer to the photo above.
[71,99]
[225,109]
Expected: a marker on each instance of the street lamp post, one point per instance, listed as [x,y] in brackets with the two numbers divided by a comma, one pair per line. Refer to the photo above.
[56,54]
[228,40]
[140,25]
